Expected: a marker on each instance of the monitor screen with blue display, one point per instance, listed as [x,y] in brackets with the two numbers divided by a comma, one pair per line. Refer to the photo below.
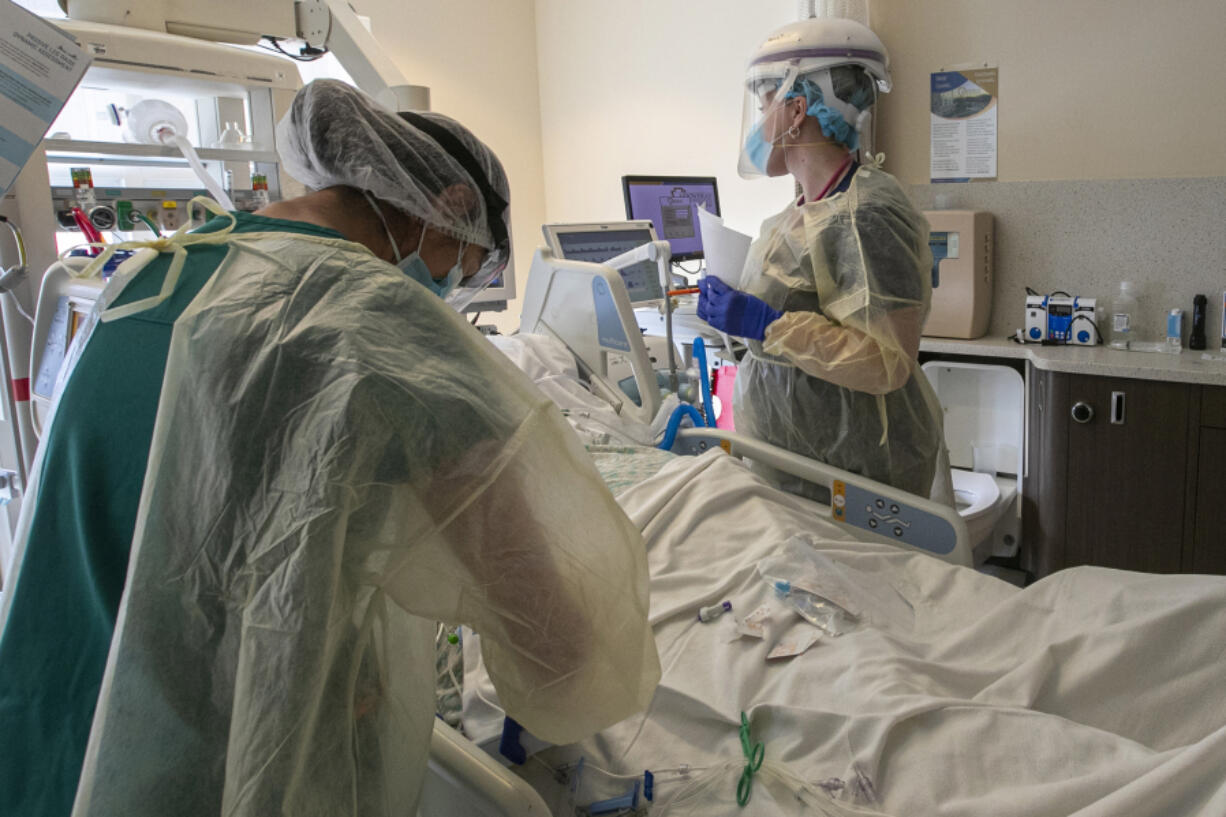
[597,243]
[671,204]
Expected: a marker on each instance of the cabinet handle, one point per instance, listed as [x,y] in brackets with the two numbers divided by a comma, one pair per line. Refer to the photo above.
[1083,412]
[1117,408]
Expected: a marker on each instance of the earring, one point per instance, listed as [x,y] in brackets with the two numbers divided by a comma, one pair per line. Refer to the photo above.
[794,131]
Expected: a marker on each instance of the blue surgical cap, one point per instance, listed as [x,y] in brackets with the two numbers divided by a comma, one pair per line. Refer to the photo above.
[834,126]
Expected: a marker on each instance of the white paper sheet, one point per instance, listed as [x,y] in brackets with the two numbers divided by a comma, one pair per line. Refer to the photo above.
[724,248]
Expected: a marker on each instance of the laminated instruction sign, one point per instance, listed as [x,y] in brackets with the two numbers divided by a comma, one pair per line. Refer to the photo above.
[964,105]
[39,68]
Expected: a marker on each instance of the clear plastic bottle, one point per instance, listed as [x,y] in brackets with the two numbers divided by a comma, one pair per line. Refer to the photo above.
[1174,331]
[1124,316]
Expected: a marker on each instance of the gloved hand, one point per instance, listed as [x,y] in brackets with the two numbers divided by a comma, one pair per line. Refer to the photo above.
[732,311]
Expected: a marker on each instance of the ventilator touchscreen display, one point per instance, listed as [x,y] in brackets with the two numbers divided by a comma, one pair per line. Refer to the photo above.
[596,247]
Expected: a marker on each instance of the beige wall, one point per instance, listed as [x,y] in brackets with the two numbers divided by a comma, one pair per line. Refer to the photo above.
[648,86]
[1089,89]
[479,59]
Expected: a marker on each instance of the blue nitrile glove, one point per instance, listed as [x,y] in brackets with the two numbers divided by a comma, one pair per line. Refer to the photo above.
[732,311]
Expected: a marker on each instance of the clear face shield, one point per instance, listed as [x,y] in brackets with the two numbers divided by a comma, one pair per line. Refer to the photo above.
[762,120]
[498,263]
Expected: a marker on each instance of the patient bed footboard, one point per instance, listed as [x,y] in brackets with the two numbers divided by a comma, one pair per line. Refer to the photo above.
[878,511]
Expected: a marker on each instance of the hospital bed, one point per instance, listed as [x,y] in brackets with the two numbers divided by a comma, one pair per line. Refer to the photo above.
[587,309]
[1093,692]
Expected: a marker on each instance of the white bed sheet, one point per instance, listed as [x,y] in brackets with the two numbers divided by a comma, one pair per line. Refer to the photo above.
[1093,692]
[552,368]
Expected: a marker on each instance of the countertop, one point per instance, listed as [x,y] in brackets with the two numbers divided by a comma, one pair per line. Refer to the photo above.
[1186,367]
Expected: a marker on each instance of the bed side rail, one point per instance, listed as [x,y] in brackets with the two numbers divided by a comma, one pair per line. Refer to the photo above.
[463,779]
[879,511]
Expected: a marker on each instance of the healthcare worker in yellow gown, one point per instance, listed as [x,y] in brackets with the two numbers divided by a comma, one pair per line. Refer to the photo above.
[835,290]
[280,457]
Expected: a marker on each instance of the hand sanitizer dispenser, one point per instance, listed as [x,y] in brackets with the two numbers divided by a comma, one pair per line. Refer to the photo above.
[962,248]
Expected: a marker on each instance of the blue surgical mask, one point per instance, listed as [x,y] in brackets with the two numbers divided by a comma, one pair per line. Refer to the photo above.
[416,269]
[413,265]
[758,149]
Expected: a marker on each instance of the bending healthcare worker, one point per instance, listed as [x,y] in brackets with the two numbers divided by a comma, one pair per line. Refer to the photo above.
[835,290]
[279,459]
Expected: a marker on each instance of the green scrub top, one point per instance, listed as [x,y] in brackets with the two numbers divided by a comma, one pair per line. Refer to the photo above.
[54,646]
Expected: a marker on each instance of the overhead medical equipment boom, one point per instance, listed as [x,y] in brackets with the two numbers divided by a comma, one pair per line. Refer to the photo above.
[324,25]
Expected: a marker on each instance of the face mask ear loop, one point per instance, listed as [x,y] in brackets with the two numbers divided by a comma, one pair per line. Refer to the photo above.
[390,239]
[795,130]
[421,239]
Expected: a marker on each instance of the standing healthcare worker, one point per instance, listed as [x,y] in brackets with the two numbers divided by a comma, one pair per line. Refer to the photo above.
[835,290]
[279,459]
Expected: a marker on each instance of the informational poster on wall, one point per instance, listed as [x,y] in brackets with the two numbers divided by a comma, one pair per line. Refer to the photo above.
[964,105]
[40,67]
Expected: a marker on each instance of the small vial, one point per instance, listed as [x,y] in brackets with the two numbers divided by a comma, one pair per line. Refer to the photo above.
[713,612]
[259,190]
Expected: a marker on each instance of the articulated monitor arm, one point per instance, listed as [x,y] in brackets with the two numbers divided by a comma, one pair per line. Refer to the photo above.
[358,52]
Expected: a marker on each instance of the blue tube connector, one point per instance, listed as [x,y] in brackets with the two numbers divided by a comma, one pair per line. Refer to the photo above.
[674,422]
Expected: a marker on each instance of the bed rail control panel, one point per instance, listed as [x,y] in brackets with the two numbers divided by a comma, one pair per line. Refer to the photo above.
[891,518]
[877,509]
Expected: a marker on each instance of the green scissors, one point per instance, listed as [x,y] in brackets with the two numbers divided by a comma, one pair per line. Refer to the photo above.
[754,753]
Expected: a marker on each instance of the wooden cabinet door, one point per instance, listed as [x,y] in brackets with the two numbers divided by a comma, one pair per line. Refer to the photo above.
[1045,488]
[1127,468]
[1207,550]
[1208,554]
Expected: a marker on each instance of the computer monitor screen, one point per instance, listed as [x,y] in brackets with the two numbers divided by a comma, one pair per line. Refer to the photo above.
[671,204]
[597,243]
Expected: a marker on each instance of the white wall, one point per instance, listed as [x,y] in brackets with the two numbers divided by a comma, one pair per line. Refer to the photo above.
[651,87]
[478,58]
[1089,90]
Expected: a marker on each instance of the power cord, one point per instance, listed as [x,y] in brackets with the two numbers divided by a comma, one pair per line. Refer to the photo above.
[1016,338]
[308,54]
[1030,291]
[1098,336]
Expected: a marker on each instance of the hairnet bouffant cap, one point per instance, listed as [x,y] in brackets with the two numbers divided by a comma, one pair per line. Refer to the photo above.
[335,135]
